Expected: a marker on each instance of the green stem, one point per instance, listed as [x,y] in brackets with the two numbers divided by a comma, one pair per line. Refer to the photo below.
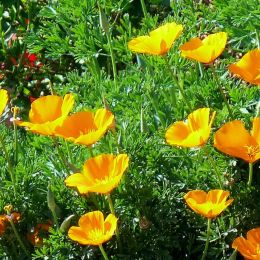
[2,38]
[112,210]
[15,111]
[51,88]
[61,155]
[103,252]
[112,59]
[257,112]
[90,151]
[250,176]
[257,39]
[9,164]
[116,139]
[177,83]
[110,203]
[15,144]
[200,69]
[55,218]
[68,151]
[18,238]
[207,241]
[213,164]
[144,9]
[221,91]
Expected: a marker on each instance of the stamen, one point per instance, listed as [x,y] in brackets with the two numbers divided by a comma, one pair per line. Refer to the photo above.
[252,150]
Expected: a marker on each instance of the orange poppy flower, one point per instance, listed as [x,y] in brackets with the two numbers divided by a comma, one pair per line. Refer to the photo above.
[248,67]
[158,42]
[206,50]
[194,132]
[100,174]
[86,127]
[210,204]
[15,217]
[37,233]
[3,100]
[93,229]
[233,139]
[3,220]
[249,247]
[47,113]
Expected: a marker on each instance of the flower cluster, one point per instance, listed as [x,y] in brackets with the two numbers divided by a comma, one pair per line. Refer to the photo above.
[82,127]
[101,174]
[232,138]
[205,51]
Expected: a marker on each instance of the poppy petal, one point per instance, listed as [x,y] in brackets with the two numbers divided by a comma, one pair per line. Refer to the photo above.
[3,100]
[233,139]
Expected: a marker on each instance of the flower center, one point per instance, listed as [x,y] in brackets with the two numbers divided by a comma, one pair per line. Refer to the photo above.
[95,234]
[252,150]
[258,249]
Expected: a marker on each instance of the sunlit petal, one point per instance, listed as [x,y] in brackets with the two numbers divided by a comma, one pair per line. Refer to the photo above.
[3,100]
[159,40]
[248,67]
[206,50]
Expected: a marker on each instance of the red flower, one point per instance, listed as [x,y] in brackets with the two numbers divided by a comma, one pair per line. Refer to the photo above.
[30,60]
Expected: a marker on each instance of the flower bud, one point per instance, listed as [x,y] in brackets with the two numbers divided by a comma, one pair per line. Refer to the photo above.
[66,223]
[51,199]
[103,21]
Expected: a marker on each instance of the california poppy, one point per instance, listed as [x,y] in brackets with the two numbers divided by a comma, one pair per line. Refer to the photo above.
[158,42]
[93,229]
[233,139]
[248,67]
[86,127]
[194,132]
[3,220]
[249,247]
[47,113]
[35,236]
[100,174]
[14,216]
[3,100]
[210,204]
[206,50]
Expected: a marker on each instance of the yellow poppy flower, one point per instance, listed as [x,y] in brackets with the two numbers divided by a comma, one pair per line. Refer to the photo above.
[3,100]
[47,113]
[210,204]
[233,139]
[158,42]
[249,248]
[86,127]
[206,50]
[248,67]
[194,132]
[93,229]
[100,174]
